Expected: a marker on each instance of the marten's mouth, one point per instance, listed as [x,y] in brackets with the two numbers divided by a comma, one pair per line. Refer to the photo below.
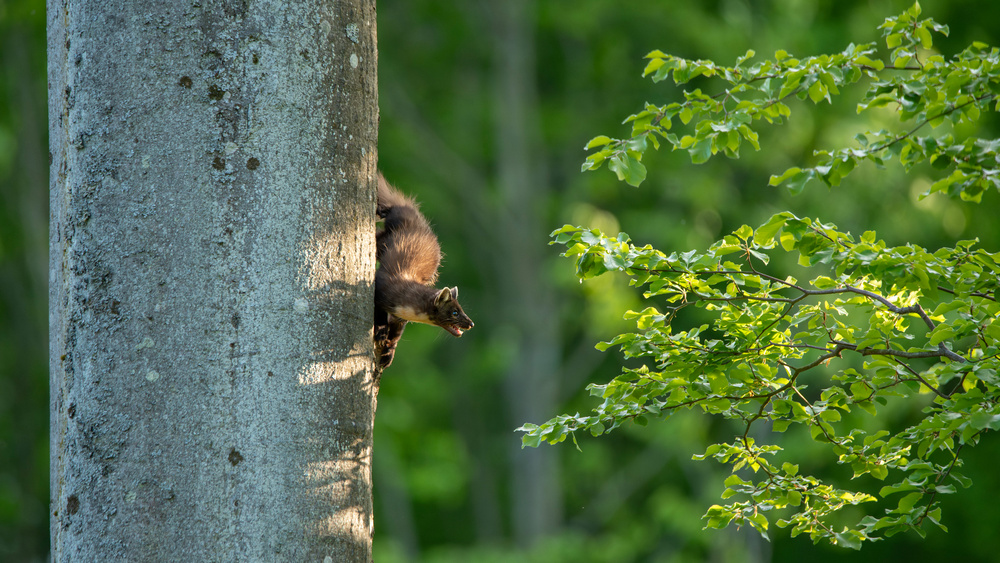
[454,330]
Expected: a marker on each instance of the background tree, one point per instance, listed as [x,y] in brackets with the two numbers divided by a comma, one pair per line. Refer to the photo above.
[211,268]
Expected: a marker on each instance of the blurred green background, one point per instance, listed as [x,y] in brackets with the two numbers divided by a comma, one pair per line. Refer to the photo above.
[485,108]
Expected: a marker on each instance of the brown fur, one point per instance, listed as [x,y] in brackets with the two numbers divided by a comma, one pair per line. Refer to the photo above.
[409,255]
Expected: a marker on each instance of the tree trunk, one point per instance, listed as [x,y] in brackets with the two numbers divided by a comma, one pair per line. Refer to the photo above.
[211,268]
[531,383]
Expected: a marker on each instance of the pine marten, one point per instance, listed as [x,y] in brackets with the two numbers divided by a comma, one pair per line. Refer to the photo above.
[409,255]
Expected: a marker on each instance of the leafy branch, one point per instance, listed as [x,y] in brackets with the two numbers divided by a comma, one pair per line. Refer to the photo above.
[873,324]
[770,333]
[929,90]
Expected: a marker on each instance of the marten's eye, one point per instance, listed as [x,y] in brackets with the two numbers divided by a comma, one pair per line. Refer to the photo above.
[454,314]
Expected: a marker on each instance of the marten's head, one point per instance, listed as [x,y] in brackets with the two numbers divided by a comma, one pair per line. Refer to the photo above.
[448,314]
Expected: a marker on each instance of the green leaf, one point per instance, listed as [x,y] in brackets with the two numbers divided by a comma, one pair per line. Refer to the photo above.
[907,503]
[653,66]
[701,151]
[847,539]
[597,429]
[824,282]
[794,178]
[734,480]
[594,161]
[879,472]
[765,233]
[941,333]
[530,440]
[924,35]
[788,174]
[981,420]
[598,141]
[628,168]
[830,415]
[759,522]
[818,91]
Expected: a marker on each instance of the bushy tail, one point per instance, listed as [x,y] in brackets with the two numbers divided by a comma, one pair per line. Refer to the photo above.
[389,197]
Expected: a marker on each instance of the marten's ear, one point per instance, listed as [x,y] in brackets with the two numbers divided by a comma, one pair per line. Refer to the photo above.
[454,292]
[443,296]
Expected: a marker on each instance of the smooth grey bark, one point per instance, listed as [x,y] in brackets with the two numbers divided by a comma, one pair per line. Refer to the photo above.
[211,266]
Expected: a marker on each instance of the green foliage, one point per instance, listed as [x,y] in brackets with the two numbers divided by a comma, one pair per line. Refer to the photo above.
[24,383]
[927,90]
[873,324]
